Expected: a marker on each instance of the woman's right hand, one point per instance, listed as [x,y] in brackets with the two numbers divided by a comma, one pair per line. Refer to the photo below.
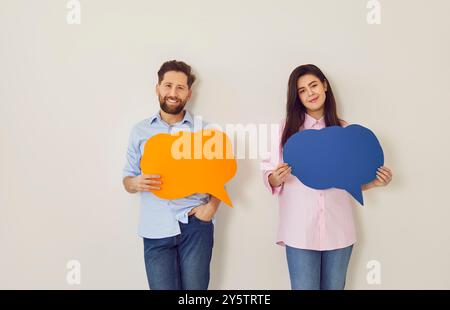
[279,175]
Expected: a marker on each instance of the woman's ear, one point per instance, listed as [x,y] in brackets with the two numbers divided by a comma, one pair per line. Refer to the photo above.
[325,85]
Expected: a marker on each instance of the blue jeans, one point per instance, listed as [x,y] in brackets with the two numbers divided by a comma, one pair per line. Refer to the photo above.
[180,262]
[318,270]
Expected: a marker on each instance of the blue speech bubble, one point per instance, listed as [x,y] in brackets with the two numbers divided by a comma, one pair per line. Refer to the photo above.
[344,158]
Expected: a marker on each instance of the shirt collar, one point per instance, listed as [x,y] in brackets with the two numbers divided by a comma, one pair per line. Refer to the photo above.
[311,121]
[186,119]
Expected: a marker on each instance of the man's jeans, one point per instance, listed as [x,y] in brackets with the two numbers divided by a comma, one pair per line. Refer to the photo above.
[315,270]
[181,262]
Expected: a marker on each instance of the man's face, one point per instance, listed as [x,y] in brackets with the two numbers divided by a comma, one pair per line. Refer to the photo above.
[173,92]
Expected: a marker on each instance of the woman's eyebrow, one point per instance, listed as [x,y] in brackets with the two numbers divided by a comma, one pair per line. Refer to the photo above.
[308,85]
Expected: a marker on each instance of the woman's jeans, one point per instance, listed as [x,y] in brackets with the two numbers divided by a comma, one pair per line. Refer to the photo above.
[318,270]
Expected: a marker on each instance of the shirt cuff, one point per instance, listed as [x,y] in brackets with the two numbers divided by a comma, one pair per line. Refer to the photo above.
[273,190]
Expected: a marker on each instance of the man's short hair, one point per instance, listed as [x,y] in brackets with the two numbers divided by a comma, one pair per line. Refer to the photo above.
[178,66]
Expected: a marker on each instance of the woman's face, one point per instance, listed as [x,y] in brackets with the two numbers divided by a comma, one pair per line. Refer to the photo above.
[311,92]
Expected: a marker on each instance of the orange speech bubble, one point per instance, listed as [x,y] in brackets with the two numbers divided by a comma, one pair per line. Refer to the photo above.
[188,163]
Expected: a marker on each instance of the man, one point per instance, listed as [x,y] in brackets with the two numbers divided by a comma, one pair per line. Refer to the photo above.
[177,234]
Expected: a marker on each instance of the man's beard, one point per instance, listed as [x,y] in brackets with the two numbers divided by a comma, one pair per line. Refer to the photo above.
[171,109]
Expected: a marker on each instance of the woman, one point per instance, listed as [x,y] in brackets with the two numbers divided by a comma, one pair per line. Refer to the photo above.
[316,226]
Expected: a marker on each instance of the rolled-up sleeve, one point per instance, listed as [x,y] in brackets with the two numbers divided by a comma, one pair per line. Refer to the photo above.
[133,157]
[272,159]
[273,190]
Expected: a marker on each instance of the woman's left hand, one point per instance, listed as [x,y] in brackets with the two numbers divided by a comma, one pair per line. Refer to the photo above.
[384,177]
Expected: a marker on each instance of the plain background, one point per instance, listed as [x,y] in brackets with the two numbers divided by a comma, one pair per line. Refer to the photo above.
[69,95]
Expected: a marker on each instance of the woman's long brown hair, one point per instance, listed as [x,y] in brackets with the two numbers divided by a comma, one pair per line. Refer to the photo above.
[295,110]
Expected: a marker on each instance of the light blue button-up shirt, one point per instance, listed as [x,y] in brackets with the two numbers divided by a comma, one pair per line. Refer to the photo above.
[159,217]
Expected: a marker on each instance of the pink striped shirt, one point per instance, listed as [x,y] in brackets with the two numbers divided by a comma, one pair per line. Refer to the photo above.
[309,218]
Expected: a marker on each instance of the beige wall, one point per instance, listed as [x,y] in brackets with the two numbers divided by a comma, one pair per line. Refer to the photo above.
[69,95]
